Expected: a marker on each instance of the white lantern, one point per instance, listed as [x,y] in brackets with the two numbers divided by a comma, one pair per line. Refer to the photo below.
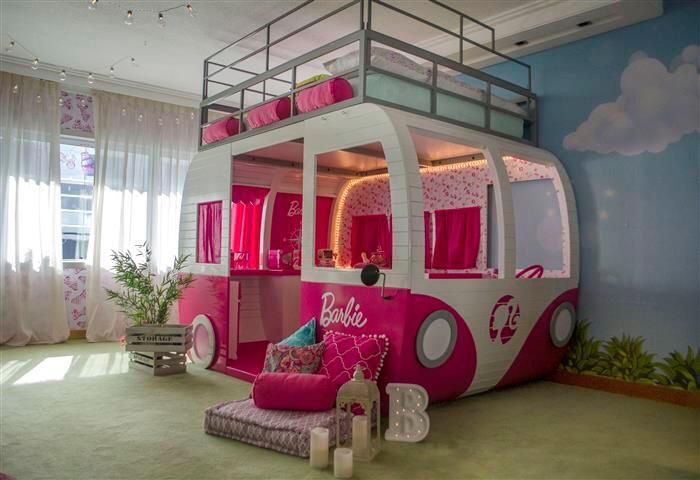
[359,392]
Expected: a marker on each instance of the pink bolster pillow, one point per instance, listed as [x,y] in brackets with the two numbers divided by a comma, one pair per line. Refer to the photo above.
[293,391]
[324,94]
[220,129]
[269,113]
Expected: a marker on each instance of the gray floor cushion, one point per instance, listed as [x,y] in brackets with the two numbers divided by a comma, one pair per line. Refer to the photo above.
[282,430]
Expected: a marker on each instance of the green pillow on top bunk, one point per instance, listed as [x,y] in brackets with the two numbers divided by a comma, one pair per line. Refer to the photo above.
[304,336]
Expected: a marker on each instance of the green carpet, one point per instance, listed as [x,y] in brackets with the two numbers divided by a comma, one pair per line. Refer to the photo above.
[75,411]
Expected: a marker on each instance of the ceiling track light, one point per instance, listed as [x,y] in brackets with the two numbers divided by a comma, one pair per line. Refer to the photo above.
[12,45]
[91,78]
[161,19]
[35,64]
[129,19]
[92,4]
[62,76]
[111,72]
[190,10]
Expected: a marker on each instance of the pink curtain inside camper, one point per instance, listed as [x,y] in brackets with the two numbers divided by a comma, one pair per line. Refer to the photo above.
[209,232]
[246,222]
[457,238]
[324,208]
[371,235]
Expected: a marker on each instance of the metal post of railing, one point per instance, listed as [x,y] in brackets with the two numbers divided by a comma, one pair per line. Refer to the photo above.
[241,124]
[362,15]
[433,90]
[493,39]
[294,93]
[205,80]
[461,39]
[487,122]
[369,14]
[267,59]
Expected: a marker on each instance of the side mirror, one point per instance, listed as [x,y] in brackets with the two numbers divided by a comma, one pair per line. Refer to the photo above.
[370,276]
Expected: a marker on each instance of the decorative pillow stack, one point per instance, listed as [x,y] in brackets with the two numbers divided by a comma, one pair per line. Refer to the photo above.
[343,352]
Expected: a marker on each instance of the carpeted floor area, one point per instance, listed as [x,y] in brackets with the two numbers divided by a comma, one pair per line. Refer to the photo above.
[75,411]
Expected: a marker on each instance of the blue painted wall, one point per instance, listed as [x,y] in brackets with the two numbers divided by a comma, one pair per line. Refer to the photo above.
[639,214]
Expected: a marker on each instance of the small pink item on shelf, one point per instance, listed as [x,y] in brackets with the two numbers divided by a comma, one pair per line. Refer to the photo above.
[220,129]
[343,352]
[324,94]
[274,259]
[290,359]
[293,391]
[269,113]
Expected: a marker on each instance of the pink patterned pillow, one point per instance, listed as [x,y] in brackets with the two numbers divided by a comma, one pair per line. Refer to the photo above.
[289,359]
[343,352]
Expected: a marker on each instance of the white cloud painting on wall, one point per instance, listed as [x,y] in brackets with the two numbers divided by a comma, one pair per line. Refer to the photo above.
[657,106]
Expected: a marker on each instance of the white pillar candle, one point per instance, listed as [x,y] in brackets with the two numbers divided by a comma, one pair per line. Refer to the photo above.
[342,463]
[318,457]
[360,440]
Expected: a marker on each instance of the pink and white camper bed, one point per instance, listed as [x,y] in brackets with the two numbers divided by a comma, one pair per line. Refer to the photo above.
[397,157]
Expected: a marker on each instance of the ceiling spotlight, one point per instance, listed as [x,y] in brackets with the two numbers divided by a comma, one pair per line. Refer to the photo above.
[62,76]
[35,64]
[190,10]
[133,60]
[91,78]
[12,45]
[129,19]
[111,72]
[161,19]
[92,4]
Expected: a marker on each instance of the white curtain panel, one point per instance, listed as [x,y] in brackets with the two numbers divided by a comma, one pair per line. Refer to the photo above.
[31,272]
[142,151]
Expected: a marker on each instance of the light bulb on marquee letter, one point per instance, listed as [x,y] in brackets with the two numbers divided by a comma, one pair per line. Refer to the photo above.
[408,421]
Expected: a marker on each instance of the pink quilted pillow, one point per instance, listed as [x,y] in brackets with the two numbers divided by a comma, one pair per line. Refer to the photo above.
[220,129]
[293,391]
[289,359]
[343,352]
[269,113]
[324,94]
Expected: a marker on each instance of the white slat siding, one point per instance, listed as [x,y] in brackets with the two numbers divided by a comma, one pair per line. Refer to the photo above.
[208,179]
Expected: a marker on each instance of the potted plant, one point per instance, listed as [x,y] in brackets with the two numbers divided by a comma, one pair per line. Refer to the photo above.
[145,298]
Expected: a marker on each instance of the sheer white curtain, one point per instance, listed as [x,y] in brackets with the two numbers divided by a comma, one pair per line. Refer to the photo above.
[31,273]
[142,151]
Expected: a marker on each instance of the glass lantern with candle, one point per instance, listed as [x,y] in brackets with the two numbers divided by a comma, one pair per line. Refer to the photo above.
[360,394]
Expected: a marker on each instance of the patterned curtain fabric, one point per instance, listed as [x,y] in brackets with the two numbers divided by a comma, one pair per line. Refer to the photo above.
[142,151]
[31,272]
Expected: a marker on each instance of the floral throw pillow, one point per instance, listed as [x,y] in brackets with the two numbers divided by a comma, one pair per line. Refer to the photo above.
[343,352]
[289,359]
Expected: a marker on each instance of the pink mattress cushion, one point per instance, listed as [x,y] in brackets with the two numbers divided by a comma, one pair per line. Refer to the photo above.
[220,129]
[324,94]
[343,352]
[293,391]
[269,113]
[289,359]
[282,430]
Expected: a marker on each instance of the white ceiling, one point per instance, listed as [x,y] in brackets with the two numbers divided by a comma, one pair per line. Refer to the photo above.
[66,34]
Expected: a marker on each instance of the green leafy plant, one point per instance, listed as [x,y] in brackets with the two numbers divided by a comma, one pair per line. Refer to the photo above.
[626,358]
[681,372]
[584,354]
[143,299]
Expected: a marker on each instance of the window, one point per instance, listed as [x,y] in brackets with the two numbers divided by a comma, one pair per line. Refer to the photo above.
[77,179]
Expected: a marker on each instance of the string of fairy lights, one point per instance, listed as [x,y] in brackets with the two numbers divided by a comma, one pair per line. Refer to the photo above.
[129,19]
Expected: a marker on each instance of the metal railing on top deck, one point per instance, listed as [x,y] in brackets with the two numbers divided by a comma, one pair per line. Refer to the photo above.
[364,35]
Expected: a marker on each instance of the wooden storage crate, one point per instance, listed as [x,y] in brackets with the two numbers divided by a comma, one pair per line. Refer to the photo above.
[159,350]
